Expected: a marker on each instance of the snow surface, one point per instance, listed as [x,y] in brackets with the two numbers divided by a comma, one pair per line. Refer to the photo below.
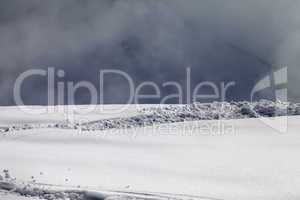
[209,159]
[130,116]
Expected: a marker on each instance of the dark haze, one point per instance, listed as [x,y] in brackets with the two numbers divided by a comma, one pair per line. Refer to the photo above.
[151,40]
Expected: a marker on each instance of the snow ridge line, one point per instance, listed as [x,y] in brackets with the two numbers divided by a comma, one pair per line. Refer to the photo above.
[179,113]
[32,191]
[196,112]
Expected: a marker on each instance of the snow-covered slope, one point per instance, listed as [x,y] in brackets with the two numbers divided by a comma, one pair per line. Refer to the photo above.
[203,159]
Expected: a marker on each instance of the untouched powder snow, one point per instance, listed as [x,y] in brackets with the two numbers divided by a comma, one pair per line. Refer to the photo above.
[188,159]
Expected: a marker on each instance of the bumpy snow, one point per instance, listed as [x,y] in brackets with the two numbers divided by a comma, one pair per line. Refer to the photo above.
[10,186]
[165,114]
[196,111]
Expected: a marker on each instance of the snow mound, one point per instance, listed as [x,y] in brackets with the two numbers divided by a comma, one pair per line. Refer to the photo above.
[40,191]
[164,114]
[4,129]
[197,111]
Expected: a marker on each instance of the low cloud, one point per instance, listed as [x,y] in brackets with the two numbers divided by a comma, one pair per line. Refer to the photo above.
[149,40]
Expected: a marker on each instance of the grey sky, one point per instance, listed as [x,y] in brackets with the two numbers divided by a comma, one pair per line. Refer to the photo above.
[151,40]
